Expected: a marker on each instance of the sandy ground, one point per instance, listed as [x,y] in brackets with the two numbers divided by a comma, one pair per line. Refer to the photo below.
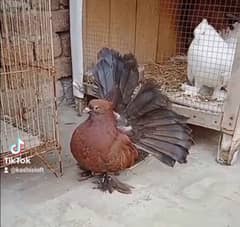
[200,193]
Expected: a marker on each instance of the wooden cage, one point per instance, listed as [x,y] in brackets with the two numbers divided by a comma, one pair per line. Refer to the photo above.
[159,33]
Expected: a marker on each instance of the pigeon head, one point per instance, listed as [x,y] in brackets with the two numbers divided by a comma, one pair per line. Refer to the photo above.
[99,106]
[203,29]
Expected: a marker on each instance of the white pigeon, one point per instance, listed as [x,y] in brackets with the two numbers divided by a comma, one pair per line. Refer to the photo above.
[210,58]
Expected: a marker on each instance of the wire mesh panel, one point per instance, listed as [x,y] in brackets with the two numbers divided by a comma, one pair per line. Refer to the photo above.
[205,38]
[27,96]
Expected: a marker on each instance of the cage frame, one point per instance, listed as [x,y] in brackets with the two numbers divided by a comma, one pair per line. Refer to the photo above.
[40,151]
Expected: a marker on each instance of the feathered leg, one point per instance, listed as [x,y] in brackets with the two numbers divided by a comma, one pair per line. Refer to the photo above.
[110,183]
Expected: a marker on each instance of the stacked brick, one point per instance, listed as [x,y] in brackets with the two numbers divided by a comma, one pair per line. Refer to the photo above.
[23,40]
[61,42]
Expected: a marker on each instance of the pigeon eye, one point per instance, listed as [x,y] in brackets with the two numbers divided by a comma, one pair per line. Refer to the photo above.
[96,108]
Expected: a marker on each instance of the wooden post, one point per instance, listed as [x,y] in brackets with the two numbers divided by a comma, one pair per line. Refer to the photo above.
[231,112]
[235,146]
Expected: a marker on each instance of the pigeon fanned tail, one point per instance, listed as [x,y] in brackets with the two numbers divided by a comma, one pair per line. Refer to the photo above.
[156,129]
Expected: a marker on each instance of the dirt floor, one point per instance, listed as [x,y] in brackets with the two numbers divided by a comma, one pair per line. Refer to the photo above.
[200,193]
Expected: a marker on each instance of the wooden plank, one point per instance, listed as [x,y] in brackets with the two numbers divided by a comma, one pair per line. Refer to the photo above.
[167,31]
[147,30]
[200,117]
[122,25]
[96,28]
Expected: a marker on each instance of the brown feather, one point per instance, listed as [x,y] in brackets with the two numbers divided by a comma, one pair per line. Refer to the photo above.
[99,146]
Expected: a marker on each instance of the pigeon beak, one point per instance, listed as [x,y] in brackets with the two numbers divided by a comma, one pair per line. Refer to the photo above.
[86,110]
